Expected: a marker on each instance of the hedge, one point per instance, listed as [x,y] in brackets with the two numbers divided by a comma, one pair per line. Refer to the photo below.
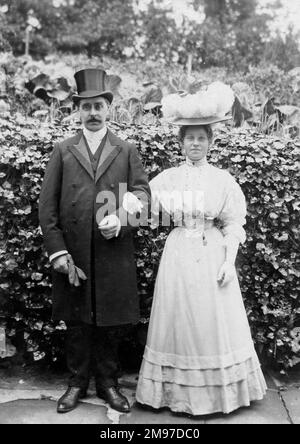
[268,264]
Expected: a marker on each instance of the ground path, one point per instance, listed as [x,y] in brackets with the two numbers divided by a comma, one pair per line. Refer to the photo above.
[28,397]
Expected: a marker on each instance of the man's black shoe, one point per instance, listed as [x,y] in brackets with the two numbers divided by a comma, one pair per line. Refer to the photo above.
[115,399]
[70,399]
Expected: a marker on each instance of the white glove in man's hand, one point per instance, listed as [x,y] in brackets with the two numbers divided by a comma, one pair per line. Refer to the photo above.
[110,227]
[226,274]
[60,264]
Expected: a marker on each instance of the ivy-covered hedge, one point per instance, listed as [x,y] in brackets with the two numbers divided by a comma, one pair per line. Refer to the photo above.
[268,172]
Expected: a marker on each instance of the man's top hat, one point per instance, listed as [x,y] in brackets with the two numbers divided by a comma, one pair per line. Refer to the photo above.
[91,83]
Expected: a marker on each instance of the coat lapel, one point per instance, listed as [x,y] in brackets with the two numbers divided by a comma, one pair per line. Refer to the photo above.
[109,153]
[80,152]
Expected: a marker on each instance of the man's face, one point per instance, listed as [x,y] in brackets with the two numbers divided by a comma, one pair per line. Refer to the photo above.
[93,113]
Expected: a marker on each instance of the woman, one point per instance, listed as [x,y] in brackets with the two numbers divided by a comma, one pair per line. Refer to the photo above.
[199,358]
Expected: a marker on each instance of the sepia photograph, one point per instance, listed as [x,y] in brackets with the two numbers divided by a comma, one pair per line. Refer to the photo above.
[149,214]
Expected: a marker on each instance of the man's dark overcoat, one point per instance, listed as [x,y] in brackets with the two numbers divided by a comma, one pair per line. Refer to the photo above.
[67,213]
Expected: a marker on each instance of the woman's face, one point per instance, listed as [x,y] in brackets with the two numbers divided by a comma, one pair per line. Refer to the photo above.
[195,143]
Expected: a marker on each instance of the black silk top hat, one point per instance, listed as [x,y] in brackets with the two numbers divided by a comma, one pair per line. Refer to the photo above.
[91,83]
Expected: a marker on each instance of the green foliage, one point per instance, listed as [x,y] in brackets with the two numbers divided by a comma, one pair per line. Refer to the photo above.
[106,27]
[283,52]
[4,34]
[18,15]
[269,81]
[159,37]
[233,34]
[230,11]
[267,170]
[267,99]
[99,28]
[268,264]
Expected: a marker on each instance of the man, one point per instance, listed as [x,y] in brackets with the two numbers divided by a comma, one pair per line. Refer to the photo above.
[86,220]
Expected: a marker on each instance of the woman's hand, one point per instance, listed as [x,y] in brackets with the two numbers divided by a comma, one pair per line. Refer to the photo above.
[226,274]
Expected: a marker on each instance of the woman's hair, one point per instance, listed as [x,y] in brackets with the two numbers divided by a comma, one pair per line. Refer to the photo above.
[183,130]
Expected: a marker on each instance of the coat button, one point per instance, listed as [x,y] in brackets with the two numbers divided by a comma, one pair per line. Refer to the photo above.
[73,203]
[112,185]
[74,221]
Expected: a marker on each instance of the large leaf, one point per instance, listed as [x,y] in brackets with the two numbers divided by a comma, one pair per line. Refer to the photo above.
[290,115]
[152,105]
[46,89]
[152,94]
[39,81]
[240,114]
[173,85]
[41,92]
[268,108]
[58,94]
[288,110]
[62,90]
[64,84]
[272,117]
[184,83]
[133,101]
[245,94]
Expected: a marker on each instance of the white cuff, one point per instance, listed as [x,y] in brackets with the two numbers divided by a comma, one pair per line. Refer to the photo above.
[58,254]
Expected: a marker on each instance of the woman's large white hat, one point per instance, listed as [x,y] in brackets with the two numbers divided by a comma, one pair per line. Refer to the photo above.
[203,108]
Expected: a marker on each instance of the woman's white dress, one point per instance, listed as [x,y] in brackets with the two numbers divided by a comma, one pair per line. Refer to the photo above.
[199,358]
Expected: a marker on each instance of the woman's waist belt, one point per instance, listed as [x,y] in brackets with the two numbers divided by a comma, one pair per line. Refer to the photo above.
[195,224]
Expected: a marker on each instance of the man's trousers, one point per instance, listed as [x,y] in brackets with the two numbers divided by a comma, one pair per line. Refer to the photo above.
[92,350]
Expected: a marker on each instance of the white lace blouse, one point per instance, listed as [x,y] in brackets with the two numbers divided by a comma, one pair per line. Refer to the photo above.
[195,191]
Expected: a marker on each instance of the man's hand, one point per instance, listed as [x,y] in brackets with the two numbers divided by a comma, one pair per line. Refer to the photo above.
[60,264]
[226,274]
[110,227]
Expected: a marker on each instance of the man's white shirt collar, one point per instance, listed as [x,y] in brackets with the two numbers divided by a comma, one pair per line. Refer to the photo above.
[94,138]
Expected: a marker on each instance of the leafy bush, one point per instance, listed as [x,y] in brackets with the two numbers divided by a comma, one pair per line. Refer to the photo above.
[269,98]
[268,264]
[269,81]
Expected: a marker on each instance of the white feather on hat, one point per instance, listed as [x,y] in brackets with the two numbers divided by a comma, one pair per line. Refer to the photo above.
[204,107]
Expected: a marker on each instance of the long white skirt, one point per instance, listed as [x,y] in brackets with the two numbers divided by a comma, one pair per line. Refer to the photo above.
[199,358]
